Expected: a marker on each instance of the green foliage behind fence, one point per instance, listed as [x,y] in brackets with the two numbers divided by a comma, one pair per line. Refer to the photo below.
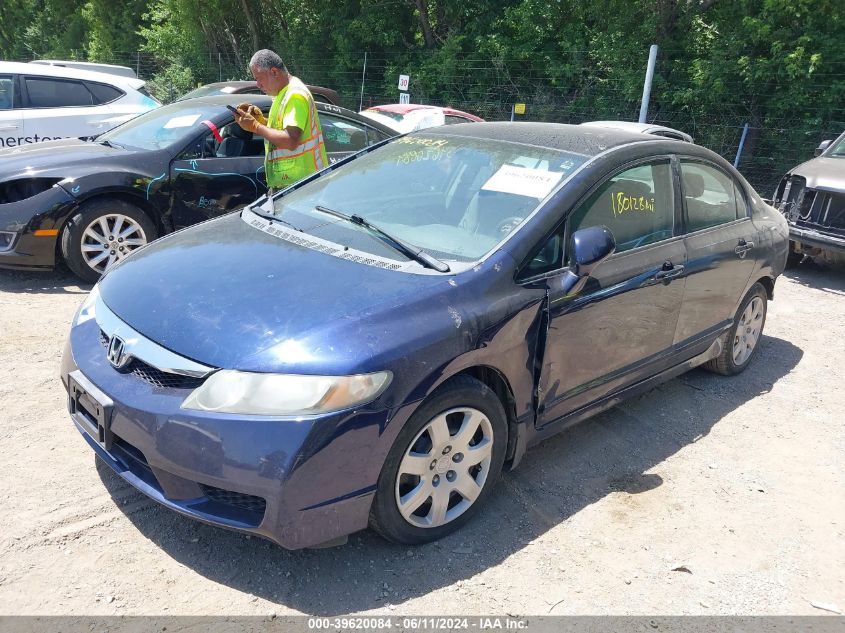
[777,65]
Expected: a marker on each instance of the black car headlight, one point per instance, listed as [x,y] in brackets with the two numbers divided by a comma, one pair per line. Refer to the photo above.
[7,239]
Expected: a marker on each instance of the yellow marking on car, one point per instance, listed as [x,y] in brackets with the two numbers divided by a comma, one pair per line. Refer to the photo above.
[46,232]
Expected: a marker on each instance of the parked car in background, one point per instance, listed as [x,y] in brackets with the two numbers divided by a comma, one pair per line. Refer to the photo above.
[642,128]
[320,94]
[413,116]
[374,345]
[90,203]
[41,102]
[812,197]
[109,69]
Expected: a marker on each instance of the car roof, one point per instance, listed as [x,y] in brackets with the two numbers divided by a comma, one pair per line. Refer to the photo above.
[61,72]
[264,101]
[400,108]
[577,139]
[240,85]
[634,126]
[109,69]
[405,108]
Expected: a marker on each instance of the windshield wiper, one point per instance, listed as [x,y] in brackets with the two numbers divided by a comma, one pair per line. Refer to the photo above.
[412,252]
[108,143]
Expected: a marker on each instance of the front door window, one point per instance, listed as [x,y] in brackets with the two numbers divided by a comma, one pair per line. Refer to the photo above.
[637,206]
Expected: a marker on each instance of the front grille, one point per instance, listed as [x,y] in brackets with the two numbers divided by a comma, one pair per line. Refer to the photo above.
[154,376]
[819,210]
[162,379]
[244,502]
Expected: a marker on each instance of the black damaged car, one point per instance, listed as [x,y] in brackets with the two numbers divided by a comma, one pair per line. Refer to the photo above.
[89,203]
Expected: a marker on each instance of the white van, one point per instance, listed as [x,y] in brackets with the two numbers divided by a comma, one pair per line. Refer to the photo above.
[41,103]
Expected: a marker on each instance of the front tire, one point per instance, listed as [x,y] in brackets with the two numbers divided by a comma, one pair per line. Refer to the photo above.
[442,465]
[744,336]
[102,233]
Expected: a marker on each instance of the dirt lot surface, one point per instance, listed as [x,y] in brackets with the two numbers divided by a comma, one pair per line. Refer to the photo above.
[707,495]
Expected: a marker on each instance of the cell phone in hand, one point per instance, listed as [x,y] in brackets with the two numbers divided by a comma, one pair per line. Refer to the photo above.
[234,110]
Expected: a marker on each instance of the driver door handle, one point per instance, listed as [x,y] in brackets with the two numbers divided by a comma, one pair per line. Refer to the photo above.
[667,274]
[743,247]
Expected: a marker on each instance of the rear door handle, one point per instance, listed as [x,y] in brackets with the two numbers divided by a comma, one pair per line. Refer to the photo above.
[9,126]
[743,247]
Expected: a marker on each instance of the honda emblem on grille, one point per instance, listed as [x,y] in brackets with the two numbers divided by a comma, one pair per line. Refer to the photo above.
[116,355]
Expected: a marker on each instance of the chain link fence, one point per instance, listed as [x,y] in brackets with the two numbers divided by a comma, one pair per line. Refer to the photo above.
[562,88]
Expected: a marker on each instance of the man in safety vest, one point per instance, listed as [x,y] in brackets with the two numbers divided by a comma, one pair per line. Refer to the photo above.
[293,139]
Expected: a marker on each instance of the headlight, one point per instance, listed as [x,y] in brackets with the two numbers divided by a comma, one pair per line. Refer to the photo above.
[7,238]
[86,310]
[229,391]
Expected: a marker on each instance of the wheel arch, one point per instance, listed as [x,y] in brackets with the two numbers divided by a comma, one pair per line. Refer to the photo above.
[125,196]
[768,284]
[501,388]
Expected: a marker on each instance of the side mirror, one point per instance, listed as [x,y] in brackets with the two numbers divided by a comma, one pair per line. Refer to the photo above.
[822,147]
[590,247]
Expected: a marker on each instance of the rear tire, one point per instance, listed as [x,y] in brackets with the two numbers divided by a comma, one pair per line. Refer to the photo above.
[102,233]
[443,464]
[744,336]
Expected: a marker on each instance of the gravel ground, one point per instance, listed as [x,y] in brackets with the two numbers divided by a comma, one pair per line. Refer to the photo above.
[707,495]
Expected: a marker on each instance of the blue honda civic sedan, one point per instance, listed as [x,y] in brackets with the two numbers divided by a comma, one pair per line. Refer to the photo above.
[372,346]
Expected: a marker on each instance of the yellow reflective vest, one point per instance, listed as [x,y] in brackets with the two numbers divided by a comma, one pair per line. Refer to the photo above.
[283,166]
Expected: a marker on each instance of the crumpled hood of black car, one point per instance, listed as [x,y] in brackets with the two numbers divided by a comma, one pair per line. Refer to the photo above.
[52,157]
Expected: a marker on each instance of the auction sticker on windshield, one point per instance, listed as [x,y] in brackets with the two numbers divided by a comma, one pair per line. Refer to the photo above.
[523,181]
[186,120]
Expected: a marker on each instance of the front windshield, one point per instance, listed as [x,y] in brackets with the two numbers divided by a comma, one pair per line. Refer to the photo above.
[838,148]
[162,127]
[454,197]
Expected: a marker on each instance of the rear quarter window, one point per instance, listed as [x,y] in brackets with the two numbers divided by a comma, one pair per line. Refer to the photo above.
[103,93]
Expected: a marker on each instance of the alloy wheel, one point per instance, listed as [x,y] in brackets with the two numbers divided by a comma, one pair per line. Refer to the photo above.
[110,238]
[748,331]
[445,467]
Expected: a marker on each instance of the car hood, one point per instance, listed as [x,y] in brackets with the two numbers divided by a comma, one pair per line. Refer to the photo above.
[823,173]
[226,294]
[53,157]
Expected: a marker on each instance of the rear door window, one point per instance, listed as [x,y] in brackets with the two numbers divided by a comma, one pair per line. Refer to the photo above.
[57,93]
[710,196]
[637,205]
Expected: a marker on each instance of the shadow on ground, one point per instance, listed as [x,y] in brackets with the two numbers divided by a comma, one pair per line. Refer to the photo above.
[47,282]
[819,276]
[611,452]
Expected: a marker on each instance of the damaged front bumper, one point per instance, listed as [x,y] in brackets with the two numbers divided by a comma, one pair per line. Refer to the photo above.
[29,228]
[816,217]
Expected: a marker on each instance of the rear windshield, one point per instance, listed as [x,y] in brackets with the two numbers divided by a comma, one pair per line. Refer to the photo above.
[396,116]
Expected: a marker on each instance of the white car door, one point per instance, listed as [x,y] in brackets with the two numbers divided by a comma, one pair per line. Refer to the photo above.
[61,108]
[11,120]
